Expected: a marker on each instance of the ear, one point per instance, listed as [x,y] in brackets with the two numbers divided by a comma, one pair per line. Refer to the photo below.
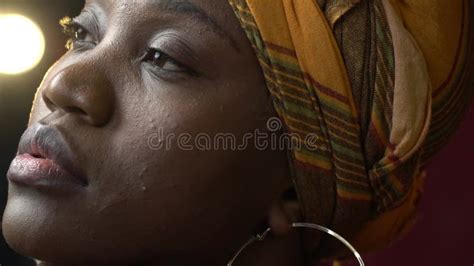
[282,214]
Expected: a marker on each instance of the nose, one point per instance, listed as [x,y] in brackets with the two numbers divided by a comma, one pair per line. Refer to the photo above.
[83,91]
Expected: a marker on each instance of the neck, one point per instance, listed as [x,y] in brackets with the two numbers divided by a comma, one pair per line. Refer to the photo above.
[281,251]
[275,251]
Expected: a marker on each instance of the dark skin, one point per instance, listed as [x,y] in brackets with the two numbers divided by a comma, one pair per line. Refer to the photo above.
[142,206]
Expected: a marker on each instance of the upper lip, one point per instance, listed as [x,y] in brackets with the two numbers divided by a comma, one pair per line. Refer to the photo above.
[42,141]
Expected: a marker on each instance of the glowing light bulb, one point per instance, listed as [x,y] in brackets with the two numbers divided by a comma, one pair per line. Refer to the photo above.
[21,44]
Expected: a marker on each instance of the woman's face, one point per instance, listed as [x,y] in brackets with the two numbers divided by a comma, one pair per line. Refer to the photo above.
[138,72]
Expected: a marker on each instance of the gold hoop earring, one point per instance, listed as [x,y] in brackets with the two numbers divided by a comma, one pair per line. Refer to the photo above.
[263,236]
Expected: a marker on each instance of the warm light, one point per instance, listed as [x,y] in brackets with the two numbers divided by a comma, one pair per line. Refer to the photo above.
[21,44]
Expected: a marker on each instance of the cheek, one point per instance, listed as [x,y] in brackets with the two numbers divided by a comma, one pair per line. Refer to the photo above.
[153,160]
[169,190]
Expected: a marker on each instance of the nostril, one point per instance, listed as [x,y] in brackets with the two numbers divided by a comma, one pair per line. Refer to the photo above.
[72,109]
[38,156]
[49,103]
[69,109]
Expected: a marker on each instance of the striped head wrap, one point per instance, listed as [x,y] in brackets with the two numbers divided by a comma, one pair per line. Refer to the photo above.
[382,83]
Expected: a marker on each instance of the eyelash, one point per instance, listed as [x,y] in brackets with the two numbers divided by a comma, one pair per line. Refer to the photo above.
[74,32]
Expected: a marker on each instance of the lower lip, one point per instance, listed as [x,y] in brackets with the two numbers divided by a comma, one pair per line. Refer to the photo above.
[41,173]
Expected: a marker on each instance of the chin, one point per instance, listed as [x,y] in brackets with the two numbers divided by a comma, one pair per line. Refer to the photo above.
[27,230]
[44,228]
[35,227]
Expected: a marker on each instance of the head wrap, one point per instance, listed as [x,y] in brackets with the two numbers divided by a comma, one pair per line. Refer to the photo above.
[382,84]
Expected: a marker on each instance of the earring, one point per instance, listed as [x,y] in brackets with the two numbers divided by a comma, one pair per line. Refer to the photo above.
[263,236]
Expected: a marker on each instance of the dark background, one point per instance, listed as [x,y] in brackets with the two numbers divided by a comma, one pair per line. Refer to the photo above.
[444,234]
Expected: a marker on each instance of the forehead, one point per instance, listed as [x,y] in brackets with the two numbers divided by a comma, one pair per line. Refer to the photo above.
[218,10]
[216,15]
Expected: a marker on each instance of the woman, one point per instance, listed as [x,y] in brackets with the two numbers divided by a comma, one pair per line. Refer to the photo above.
[370,90]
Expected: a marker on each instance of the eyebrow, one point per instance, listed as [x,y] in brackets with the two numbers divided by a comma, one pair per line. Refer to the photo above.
[186,8]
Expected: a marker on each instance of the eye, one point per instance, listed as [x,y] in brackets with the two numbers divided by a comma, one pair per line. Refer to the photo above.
[82,35]
[163,62]
[78,35]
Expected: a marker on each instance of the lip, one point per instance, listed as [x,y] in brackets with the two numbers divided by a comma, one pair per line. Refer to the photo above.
[45,161]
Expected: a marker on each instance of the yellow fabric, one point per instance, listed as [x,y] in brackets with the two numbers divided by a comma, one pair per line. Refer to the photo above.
[304,23]
[436,26]
[418,41]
